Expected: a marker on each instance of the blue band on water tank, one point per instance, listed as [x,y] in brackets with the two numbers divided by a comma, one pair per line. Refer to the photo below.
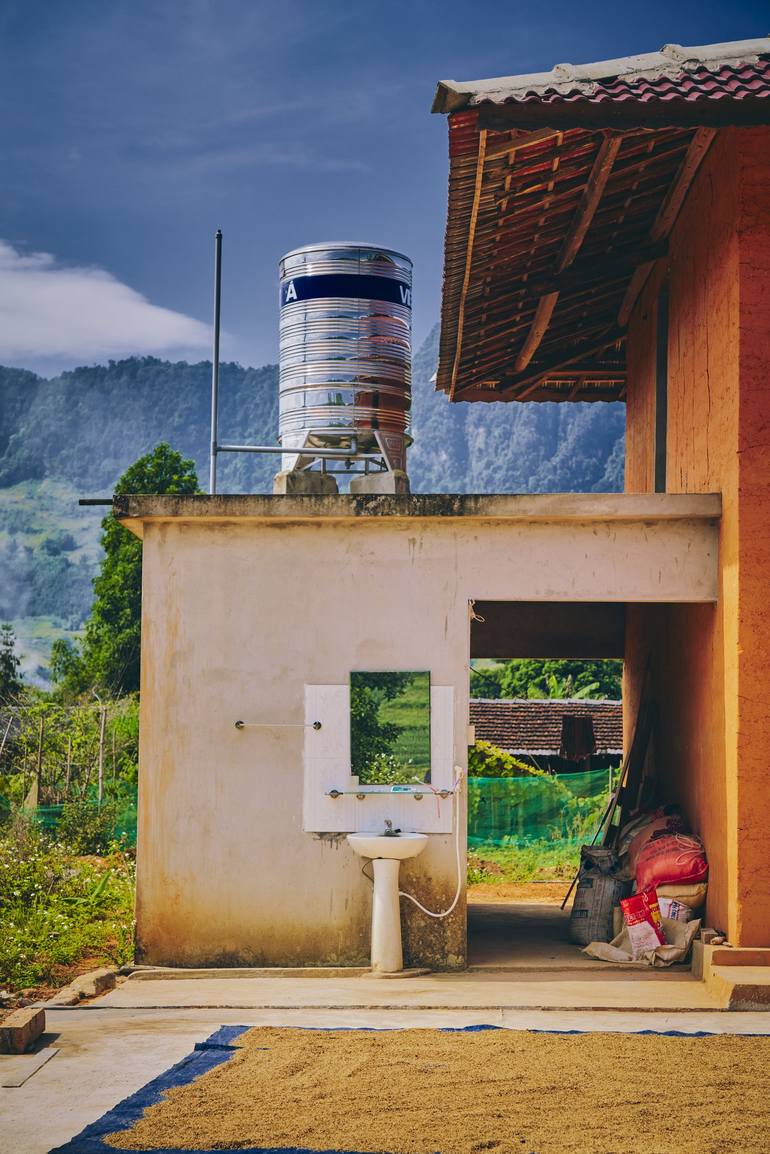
[371,288]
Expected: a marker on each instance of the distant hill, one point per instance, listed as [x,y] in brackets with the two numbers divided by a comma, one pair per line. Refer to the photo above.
[74,435]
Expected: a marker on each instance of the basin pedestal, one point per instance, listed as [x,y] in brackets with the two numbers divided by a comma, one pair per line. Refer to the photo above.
[387,954]
[386,853]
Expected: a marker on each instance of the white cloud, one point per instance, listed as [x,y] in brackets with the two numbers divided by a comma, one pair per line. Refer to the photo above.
[70,314]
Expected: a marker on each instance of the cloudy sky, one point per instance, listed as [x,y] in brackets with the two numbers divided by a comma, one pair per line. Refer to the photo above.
[132,129]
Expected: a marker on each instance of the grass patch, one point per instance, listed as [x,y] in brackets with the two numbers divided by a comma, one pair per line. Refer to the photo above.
[59,910]
[538,861]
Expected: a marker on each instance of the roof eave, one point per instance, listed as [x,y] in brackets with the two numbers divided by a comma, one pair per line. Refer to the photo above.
[670,60]
[450,97]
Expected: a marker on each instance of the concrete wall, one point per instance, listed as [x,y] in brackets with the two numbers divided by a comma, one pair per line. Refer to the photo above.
[709,665]
[240,613]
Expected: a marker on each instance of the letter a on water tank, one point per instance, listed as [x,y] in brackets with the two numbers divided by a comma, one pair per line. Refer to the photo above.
[291,292]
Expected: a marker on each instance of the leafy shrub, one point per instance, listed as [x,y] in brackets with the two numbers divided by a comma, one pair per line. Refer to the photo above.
[486,760]
[57,909]
[87,829]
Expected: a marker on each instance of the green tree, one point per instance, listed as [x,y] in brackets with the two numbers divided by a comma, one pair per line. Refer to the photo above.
[108,657]
[372,738]
[10,664]
[553,677]
[562,688]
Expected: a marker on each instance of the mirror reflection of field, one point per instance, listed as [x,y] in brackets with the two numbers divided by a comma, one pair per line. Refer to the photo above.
[411,712]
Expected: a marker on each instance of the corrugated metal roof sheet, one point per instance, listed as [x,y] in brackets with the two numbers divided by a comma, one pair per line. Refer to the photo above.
[734,69]
[533,727]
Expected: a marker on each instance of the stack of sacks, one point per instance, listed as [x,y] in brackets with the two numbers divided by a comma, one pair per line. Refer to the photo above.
[670,873]
[646,938]
[660,852]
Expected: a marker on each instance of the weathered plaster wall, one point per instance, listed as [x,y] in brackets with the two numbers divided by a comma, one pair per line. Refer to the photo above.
[238,617]
[709,665]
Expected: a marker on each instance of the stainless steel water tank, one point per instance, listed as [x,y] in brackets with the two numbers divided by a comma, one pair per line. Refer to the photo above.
[345,351]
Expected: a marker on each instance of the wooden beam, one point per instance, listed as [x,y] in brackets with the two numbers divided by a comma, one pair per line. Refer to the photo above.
[537,330]
[500,148]
[667,214]
[515,386]
[635,286]
[624,115]
[674,198]
[590,270]
[589,201]
[468,260]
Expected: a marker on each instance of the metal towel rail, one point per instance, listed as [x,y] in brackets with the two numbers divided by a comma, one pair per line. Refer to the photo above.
[277,725]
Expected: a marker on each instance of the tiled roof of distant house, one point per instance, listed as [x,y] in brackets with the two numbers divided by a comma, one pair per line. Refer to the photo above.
[533,727]
[563,189]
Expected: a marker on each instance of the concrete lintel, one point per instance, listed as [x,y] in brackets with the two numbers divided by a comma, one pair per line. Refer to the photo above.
[134,510]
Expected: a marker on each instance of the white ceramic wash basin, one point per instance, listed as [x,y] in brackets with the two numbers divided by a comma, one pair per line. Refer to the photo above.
[386,853]
[394,848]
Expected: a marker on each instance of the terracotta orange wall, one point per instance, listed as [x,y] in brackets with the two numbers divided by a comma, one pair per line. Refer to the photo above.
[685,644]
[708,663]
[753,562]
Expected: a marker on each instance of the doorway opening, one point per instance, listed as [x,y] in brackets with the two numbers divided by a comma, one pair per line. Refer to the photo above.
[546,714]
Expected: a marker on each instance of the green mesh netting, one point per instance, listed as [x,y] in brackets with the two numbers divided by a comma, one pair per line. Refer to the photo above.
[516,811]
[520,811]
[124,825]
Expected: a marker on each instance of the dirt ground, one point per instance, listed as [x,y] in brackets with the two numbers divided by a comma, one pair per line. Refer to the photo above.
[499,1091]
[550,893]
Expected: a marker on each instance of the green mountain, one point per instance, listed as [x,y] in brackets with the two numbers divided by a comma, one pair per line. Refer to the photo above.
[73,435]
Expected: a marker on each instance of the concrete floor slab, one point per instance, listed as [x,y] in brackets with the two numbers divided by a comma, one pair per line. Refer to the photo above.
[542,989]
[528,936]
[106,1053]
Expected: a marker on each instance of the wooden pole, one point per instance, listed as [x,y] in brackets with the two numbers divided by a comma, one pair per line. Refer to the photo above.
[5,735]
[39,762]
[100,785]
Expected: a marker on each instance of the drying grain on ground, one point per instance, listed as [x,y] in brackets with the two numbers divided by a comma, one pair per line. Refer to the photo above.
[422,1091]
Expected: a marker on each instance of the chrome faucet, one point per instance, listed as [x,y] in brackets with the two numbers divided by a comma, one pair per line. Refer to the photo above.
[389,830]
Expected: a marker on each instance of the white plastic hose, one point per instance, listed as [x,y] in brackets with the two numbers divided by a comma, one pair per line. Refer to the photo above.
[447,912]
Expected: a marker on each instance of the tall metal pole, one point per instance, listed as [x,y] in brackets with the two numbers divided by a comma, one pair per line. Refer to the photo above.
[215,360]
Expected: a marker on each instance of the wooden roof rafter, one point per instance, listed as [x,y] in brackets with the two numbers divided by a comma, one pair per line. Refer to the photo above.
[585,170]
[522,385]
[589,202]
[532,251]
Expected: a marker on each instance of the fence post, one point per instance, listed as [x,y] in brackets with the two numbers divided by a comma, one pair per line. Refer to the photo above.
[39,763]
[100,787]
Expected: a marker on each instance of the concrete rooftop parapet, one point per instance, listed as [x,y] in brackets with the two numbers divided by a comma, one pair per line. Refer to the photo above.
[134,510]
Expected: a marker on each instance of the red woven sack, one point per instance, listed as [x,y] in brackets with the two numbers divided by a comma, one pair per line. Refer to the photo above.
[666,823]
[671,857]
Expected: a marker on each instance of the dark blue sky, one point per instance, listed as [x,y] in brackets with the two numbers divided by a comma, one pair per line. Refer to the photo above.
[133,128]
